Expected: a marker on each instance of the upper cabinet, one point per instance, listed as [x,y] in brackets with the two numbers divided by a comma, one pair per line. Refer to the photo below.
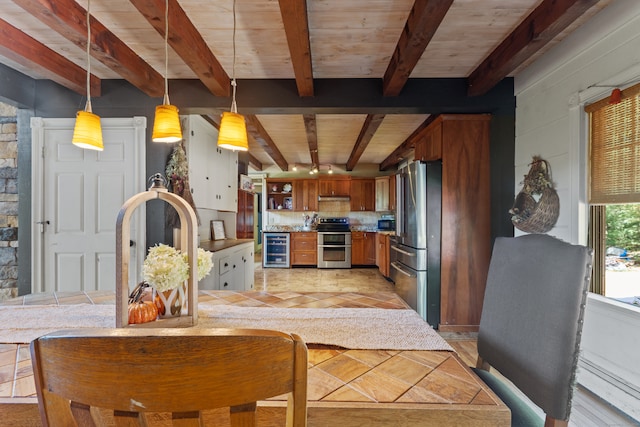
[383,194]
[363,194]
[279,194]
[213,171]
[430,147]
[305,195]
[337,186]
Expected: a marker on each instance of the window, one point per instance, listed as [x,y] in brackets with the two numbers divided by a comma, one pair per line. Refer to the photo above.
[614,181]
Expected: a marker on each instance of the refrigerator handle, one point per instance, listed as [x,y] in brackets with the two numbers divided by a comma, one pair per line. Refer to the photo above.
[400,203]
[397,249]
[402,270]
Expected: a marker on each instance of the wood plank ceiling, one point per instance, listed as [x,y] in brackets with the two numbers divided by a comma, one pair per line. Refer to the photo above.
[483,41]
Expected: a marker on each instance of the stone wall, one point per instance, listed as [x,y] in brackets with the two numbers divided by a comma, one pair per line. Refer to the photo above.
[8,202]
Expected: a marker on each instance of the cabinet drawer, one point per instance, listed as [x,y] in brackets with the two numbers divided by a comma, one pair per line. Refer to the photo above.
[224,265]
[304,245]
[305,258]
[225,281]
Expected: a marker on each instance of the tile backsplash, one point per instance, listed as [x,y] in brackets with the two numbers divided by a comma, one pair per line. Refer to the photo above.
[326,209]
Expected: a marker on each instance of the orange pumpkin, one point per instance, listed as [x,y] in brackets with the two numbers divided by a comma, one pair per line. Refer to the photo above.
[142,312]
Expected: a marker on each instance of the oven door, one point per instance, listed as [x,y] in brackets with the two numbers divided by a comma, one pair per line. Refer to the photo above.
[334,250]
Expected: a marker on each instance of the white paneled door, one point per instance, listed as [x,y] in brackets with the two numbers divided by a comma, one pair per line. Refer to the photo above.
[77,194]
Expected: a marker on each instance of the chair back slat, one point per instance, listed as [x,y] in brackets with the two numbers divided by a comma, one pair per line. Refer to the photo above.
[183,371]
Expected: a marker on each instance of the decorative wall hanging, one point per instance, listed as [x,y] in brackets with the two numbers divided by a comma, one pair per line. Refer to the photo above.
[537,206]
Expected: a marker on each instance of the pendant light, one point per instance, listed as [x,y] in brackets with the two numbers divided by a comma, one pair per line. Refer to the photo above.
[233,129]
[87,132]
[166,125]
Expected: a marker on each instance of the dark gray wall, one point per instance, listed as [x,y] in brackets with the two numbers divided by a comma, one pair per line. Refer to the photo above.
[42,98]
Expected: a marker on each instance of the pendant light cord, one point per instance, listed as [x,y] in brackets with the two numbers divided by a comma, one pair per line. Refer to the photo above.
[234,107]
[87,107]
[166,52]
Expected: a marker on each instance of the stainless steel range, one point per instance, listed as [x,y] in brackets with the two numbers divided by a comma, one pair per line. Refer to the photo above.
[334,243]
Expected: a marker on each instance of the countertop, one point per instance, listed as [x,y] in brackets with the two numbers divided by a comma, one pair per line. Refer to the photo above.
[218,245]
[297,229]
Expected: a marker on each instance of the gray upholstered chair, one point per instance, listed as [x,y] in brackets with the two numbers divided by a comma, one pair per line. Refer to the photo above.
[531,324]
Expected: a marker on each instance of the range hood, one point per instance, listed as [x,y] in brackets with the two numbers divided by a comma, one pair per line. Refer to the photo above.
[334,198]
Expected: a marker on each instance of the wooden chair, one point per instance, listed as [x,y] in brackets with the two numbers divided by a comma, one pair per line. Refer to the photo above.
[531,324]
[183,371]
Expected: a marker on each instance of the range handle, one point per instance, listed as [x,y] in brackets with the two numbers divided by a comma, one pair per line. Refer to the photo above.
[397,266]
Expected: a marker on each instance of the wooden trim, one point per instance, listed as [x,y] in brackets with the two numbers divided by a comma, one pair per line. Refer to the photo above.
[30,53]
[369,128]
[423,22]
[187,42]
[261,136]
[296,27]
[542,25]
[310,124]
[69,19]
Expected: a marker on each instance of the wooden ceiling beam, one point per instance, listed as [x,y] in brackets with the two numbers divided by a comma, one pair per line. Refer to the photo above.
[255,163]
[28,52]
[187,42]
[423,21]
[369,128]
[261,136]
[70,20]
[311,127]
[546,21]
[407,146]
[296,27]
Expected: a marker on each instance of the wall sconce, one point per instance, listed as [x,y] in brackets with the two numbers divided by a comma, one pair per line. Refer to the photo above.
[87,132]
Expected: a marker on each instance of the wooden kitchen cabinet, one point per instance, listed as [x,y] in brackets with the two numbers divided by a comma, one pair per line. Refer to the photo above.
[363,248]
[383,194]
[430,146]
[382,253]
[305,195]
[304,248]
[279,194]
[363,194]
[337,186]
[461,141]
[244,217]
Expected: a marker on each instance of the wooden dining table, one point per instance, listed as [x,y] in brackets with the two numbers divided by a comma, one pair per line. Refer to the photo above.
[346,387]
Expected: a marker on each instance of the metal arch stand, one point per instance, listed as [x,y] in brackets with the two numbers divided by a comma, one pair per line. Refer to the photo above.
[188,240]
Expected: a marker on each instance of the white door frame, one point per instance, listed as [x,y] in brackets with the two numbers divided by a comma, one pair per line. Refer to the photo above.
[38,126]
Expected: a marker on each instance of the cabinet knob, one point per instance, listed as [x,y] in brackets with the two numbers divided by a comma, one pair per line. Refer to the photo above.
[226,264]
[225,284]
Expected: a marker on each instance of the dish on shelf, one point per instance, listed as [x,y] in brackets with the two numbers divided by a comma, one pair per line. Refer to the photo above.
[286,188]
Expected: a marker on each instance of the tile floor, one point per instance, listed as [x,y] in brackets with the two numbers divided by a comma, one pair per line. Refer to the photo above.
[297,287]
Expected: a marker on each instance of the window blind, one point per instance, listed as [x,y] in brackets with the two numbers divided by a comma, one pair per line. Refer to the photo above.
[615,149]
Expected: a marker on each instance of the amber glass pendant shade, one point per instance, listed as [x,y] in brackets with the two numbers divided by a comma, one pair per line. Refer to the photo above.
[233,132]
[166,125]
[87,132]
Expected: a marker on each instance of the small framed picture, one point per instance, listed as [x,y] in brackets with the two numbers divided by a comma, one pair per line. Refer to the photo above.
[217,230]
[246,183]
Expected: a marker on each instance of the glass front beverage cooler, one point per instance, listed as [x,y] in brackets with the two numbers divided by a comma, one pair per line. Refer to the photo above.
[276,250]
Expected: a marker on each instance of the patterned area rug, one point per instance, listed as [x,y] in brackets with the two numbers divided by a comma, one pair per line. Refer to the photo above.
[359,328]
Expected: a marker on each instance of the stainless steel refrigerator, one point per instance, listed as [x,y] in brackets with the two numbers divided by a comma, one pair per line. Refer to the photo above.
[415,250]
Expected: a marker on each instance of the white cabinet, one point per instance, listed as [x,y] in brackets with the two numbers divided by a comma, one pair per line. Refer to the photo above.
[213,171]
[232,269]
